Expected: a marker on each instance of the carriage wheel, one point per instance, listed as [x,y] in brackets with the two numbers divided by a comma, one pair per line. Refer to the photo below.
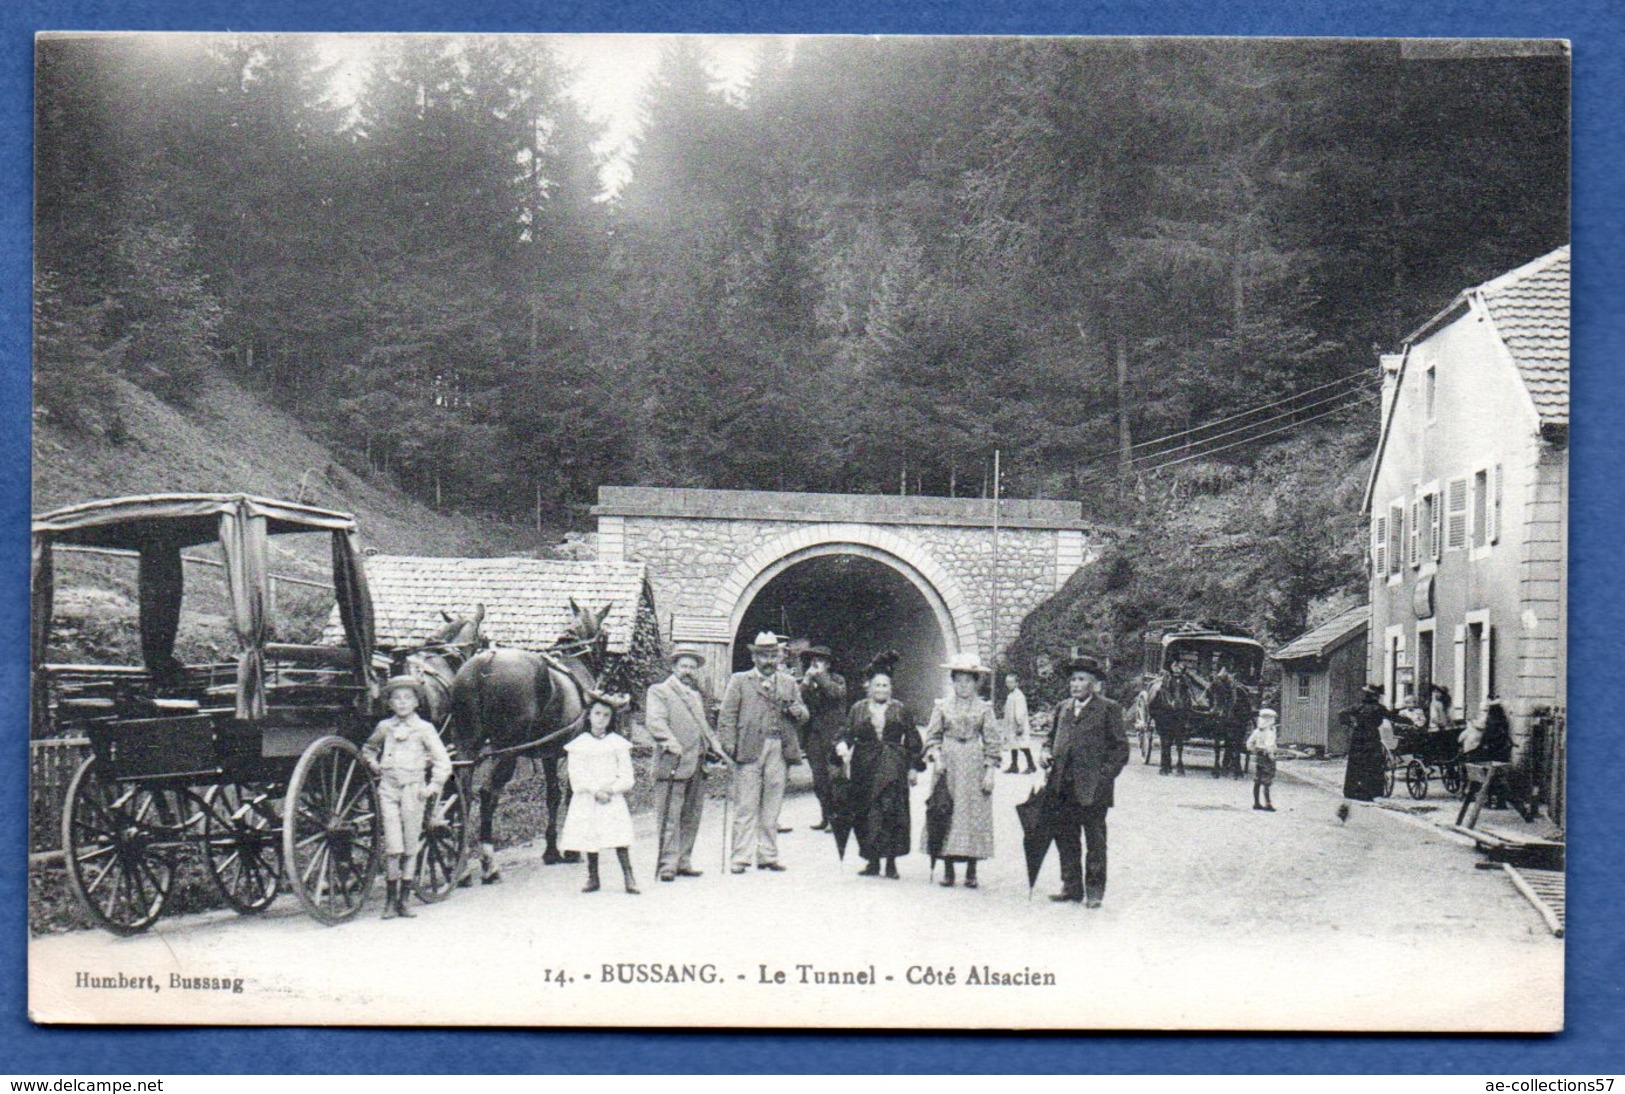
[1388,776]
[1416,779]
[120,841]
[444,851]
[332,839]
[241,845]
[1450,775]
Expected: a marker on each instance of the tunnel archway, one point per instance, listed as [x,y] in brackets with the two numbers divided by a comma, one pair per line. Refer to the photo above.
[859,601]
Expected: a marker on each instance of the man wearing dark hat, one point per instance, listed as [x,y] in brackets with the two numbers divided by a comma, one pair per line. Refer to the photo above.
[824,692]
[1366,774]
[761,710]
[1083,746]
[675,716]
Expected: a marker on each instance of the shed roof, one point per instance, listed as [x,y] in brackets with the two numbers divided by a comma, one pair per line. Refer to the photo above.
[527,600]
[1327,637]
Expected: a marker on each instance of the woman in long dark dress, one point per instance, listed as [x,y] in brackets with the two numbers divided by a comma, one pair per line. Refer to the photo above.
[883,747]
[1364,777]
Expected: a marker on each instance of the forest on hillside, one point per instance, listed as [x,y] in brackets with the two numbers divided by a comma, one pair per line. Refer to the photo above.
[862,269]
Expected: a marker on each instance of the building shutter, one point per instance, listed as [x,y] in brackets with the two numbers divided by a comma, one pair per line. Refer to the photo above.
[1396,538]
[1379,546]
[1435,507]
[1495,506]
[1456,515]
[1480,534]
[1415,546]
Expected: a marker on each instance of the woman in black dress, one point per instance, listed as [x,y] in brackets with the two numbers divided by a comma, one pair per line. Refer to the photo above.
[882,745]
[1364,778]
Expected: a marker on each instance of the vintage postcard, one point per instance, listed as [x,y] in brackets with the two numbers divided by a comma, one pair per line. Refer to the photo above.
[647,531]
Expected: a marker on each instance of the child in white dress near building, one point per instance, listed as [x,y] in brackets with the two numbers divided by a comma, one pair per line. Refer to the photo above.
[1261,743]
[600,766]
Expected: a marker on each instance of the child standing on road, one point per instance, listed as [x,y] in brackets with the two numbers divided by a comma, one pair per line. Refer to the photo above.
[400,751]
[600,776]
[1261,743]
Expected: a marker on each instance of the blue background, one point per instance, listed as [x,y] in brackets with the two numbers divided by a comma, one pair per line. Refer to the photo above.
[1596,940]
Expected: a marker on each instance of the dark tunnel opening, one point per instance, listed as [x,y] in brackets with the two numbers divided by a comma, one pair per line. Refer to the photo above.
[858,607]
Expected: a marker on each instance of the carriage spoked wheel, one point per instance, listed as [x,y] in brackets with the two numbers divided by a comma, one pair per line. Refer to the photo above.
[1416,779]
[121,841]
[1451,776]
[1388,776]
[332,838]
[242,845]
[444,851]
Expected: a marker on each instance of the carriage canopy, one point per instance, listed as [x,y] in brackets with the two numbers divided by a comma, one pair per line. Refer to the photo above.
[157,527]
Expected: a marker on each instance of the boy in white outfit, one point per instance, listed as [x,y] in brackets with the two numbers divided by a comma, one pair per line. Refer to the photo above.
[401,751]
[1261,743]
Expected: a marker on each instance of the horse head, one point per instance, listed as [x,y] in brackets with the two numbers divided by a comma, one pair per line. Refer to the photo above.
[459,631]
[586,637]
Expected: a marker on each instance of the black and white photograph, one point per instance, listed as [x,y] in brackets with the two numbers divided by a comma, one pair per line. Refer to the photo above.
[621,530]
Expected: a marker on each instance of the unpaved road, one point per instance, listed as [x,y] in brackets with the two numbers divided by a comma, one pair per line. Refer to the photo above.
[1216,917]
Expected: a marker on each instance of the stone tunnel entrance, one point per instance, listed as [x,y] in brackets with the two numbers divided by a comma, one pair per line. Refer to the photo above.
[857,606]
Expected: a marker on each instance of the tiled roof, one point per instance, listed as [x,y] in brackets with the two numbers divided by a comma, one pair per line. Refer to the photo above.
[1530,309]
[527,600]
[1326,637]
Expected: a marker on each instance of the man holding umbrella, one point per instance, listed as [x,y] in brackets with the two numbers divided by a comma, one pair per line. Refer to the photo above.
[824,692]
[676,718]
[1083,746]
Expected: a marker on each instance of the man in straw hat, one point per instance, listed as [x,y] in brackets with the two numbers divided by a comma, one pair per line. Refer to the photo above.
[761,709]
[676,717]
[1083,746]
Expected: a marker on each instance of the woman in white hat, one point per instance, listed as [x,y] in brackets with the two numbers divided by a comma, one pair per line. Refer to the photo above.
[963,744]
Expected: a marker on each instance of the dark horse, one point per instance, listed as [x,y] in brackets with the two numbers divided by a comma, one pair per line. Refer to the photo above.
[435,663]
[507,703]
[1168,701]
[1232,716]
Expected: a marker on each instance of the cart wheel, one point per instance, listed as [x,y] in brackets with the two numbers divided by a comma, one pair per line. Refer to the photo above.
[1416,779]
[241,848]
[444,851]
[1450,775]
[120,841]
[331,831]
[1388,776]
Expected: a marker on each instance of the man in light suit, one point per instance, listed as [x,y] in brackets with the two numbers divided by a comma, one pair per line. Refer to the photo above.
[761,709]
[1083,746]
[675,716]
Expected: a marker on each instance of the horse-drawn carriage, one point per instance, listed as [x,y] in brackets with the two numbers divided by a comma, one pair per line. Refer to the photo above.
[1202,682]
[1422,754]
[251,763]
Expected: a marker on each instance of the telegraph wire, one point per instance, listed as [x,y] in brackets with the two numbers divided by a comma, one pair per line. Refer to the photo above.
[1360,400]
[1154,456]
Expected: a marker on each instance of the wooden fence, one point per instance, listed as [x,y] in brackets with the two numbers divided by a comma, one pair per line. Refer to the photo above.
[51,764]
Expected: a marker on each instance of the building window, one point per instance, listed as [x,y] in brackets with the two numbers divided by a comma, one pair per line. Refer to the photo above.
[1432,387]
[1303,685]
[1455,527]
[1481,501]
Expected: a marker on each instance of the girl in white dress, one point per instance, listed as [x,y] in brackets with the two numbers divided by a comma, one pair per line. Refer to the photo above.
[600,766]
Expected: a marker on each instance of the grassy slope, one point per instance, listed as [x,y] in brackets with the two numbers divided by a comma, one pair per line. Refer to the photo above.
[230,440]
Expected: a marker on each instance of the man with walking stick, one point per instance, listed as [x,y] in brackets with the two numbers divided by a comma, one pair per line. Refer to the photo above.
[677,719]
[761,711]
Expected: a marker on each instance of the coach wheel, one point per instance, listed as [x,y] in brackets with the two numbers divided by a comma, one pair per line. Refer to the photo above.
[332,833]
[120,841]
[444,851]
[1416,779]
[242,845]
[1450,776]
[1388,777]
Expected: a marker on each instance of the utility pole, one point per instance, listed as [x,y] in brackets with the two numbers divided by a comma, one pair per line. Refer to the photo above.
[993,580]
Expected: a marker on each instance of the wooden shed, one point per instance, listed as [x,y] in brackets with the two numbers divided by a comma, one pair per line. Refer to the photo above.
[1321,674]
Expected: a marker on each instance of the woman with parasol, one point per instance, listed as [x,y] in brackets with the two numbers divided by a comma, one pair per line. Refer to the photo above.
[963,744]
[883,750]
